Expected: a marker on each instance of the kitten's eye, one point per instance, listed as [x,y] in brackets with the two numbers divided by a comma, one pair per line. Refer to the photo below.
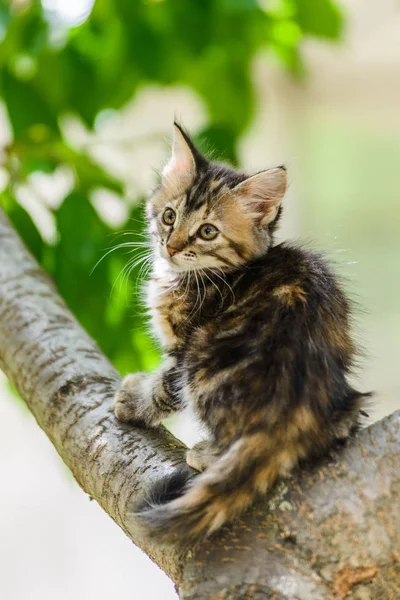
[208,232]
[169,216]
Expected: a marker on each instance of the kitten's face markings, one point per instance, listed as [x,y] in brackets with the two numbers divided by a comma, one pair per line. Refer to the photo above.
[205,216]
[187,238]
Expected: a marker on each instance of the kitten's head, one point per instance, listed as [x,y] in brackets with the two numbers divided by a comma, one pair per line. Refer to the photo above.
[207,216]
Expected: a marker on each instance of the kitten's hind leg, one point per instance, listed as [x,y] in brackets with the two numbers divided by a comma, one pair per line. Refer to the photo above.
[350,422]
[202,455]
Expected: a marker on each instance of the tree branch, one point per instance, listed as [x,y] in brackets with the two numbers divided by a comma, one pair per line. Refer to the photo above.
[331,531]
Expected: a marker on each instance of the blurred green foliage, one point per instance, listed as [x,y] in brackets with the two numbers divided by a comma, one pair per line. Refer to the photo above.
[121,46]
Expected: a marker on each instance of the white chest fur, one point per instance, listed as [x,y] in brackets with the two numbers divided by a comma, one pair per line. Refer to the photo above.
[162,303]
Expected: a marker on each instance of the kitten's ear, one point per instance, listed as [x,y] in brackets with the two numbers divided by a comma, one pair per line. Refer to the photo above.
[262,194]
[181,167]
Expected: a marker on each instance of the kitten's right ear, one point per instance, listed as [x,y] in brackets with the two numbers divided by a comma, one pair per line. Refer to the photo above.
[181,167]
[262,194]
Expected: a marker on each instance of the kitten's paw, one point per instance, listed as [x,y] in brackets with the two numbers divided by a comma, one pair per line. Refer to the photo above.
[129,401]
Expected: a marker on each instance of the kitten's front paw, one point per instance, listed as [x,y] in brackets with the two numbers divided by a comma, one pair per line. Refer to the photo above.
[129,401]
[201,455]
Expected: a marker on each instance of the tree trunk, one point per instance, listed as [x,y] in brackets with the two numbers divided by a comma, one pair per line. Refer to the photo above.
[331,531]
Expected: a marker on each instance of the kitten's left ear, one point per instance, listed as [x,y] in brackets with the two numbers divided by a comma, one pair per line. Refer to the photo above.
[262,194]
[181,167]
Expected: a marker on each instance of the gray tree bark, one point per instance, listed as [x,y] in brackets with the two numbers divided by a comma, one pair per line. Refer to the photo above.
[331,531]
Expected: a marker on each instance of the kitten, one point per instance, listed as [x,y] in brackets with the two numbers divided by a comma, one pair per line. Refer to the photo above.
[255,335]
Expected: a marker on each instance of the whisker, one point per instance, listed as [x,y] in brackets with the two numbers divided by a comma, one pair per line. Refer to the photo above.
[118,247]
[193,312]
[135,233]
[145,260]
[204,287]
[141,221]
[143,273]
[128,268]
[221,277]
[214,284]
[185,291]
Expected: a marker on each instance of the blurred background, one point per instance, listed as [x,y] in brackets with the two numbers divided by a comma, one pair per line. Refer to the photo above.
[89,90]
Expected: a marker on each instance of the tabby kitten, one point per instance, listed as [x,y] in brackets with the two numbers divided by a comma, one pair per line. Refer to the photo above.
[255,335]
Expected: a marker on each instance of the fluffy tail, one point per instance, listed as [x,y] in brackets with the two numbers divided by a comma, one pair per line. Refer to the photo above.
[215,496]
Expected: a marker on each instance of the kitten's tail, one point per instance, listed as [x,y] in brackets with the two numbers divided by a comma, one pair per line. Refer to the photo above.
[225,489]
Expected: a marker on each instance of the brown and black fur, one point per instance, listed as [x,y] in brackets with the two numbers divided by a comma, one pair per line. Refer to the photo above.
[259,345]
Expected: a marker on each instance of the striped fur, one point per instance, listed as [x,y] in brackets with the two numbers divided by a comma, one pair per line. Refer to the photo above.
[256,338]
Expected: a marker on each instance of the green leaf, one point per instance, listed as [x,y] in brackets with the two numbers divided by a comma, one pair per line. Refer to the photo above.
[23,224]
[86,277]
[27,109]
[239,6]
[321,18]
[4,21]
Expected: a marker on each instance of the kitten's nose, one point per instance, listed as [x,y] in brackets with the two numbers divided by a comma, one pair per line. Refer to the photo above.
[171,250]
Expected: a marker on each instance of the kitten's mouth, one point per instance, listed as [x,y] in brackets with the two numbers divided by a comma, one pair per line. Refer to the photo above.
[179,263]
[175,266]
[173,262]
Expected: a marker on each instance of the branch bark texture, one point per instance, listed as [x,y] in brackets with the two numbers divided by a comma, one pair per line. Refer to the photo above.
[331,531]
